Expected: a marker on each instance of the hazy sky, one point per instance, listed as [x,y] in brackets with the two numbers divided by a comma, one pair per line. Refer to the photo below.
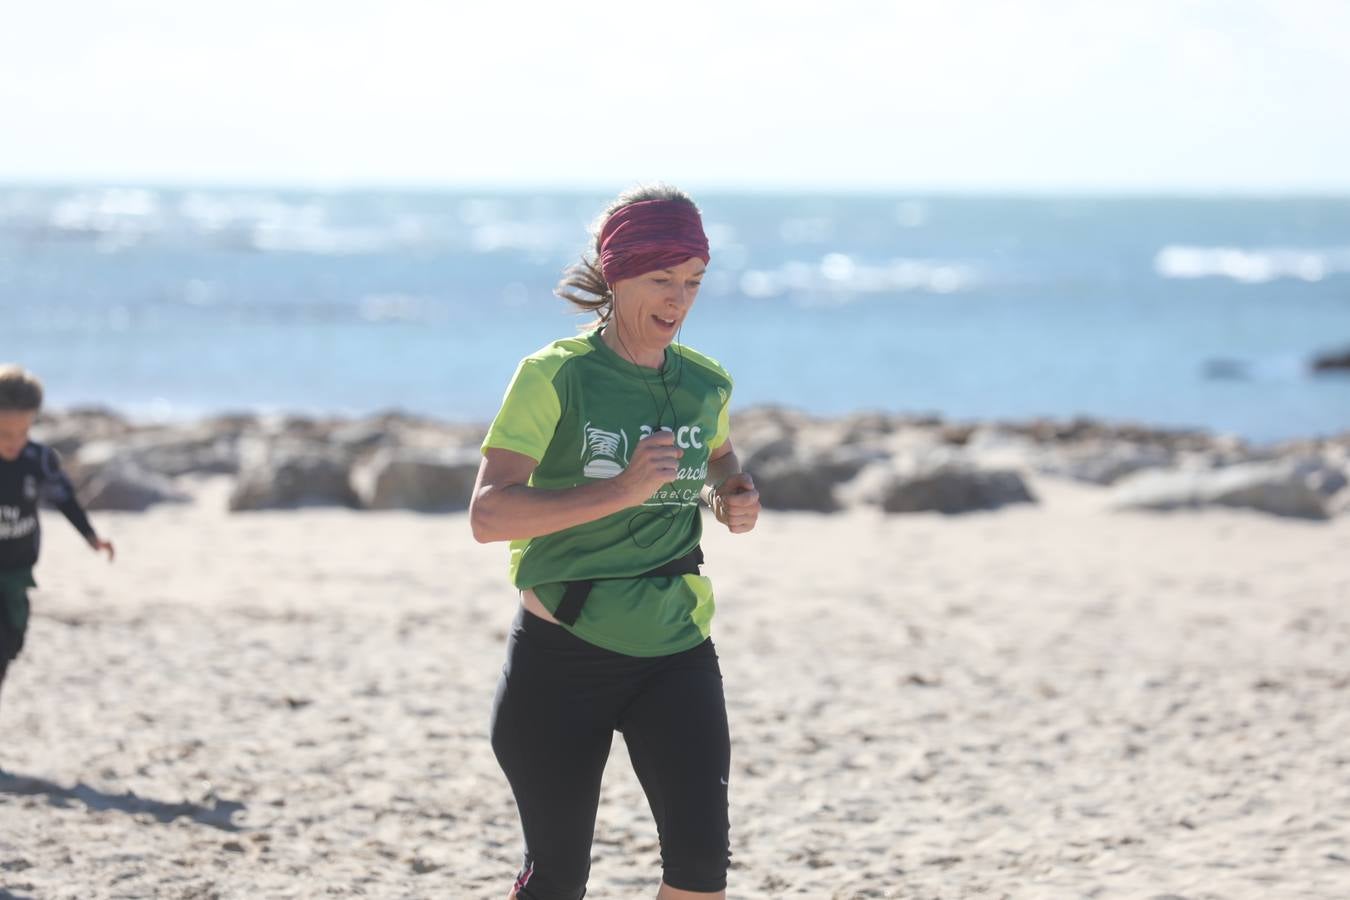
[946,94]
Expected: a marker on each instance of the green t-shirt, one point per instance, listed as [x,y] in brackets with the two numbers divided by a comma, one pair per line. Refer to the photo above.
[578,409]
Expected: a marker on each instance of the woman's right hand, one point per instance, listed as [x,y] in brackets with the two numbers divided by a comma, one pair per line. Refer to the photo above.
[655,462]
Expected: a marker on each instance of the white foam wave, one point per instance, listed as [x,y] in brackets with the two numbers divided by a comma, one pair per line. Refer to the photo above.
[815,230]
[269,224]
[541,238]
[318,238]
[839,276]
[114,217]
[1251,266]
[911,214]
[210,212]
[394,308]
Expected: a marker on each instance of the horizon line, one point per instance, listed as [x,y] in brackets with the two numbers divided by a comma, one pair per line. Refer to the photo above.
[712,186]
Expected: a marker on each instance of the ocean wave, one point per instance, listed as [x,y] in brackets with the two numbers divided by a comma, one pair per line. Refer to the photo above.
[813,230]
[540,238]
[395,308]
[115,218]
[319,239]
[120,217]
[911,214]
[1251,266]
[269,224]
[839,277]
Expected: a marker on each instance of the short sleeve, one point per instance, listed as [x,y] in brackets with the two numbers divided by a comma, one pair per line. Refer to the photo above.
[723,418]
[529,413]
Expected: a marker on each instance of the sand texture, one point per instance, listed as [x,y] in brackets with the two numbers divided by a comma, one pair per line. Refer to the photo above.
[1052,700]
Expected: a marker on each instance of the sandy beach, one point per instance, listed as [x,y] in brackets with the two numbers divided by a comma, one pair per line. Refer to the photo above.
[1053,700]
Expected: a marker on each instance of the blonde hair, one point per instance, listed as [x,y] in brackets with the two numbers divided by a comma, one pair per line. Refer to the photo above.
[20,390]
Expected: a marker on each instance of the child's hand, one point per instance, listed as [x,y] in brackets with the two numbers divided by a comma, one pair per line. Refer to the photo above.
[100,545]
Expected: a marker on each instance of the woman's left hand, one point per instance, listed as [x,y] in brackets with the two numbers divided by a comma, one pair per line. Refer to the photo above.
[735,503]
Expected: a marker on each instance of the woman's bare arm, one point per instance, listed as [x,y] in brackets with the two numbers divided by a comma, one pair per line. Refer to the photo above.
[505,508]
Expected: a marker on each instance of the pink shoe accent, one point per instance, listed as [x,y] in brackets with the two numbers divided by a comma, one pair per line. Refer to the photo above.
[524,878]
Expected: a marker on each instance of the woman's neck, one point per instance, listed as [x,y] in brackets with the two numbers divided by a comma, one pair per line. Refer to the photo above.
[626,346]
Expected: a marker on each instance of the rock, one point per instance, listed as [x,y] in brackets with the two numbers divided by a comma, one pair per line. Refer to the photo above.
[800,463]
[760,454]
[199,450]
[290,475]
[801,470]
[364,434]
[1087,430]
[126,487]
[231,424]
[865,427]
[1222,368]
[951,490]
[794,483]
[766,433]
[939,482]
[396,460]
[1102,462]
[1332,362]
[1298,488]
[66,432]
[401,429]
[958,434]
[417,479]
[993,447]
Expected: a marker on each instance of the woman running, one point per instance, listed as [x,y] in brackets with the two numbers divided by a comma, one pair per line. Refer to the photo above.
[594,469]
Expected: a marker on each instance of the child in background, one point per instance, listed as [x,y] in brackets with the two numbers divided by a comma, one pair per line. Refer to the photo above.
[28,472]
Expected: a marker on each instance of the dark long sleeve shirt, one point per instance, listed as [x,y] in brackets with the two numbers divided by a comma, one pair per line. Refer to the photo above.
[34,477]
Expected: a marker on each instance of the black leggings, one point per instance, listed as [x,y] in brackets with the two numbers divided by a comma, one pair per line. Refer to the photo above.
[13,624]
[558,704]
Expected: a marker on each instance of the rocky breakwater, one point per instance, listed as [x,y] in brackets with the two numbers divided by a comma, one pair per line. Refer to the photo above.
[893,463]
[387,461]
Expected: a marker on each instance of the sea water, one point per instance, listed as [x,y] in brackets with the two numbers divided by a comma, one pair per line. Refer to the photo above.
[1169,311]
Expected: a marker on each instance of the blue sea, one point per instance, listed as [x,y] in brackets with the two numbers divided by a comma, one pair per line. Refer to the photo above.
[1168,311]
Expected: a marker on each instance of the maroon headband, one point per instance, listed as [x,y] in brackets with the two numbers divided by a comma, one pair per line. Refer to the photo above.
[650,235]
